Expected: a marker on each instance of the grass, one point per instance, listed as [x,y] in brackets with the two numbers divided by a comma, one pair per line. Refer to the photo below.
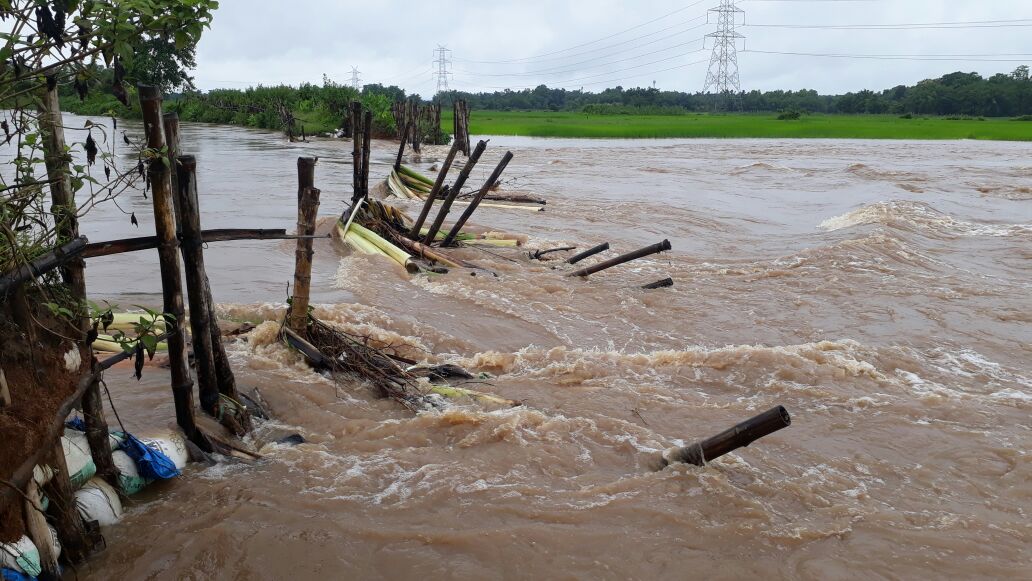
[744,125]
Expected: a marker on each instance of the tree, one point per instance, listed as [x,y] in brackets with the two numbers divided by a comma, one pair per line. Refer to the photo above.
[161,63]
[1021,74]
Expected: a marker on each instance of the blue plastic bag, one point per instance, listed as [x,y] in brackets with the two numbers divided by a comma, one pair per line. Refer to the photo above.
[150,463]
[12,575]
[76,424]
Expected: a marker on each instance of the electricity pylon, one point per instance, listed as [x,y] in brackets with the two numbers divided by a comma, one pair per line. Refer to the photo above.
[722,76]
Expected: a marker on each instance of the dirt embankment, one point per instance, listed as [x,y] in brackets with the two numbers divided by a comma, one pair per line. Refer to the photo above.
[42,365]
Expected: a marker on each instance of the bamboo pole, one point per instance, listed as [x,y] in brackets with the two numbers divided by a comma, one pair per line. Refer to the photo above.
[401,147]
[124,245]
[193,261]
[356,153]
[648,250]
[56,258]
[588,253]
[442,213]
[306,213]
[497,173]
[435,191]
[171,277]
[730,440]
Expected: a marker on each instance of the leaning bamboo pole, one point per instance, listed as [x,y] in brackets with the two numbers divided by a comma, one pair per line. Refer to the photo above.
[497,173]
[442,213]
[171,277]
[435,191]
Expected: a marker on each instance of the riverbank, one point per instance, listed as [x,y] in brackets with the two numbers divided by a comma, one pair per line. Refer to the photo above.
[742,125]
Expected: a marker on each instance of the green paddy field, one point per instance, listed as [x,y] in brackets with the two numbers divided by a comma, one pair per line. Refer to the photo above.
[741,125]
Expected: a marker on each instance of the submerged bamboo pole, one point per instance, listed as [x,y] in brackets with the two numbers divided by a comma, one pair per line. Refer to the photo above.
[731,439]
[588,253]
[306,213]
[193,260]
[497,173]
[434,191]
[442,213]
[648,250]
[665,283]
[171,277]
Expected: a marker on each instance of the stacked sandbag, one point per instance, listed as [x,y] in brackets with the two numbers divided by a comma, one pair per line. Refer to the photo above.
[97,501]
[20,560]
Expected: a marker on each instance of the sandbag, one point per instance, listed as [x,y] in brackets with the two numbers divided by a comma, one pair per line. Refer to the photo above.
[21,556]
[129,479]
[12,575]
[77,457]
[169,443]
[97,501]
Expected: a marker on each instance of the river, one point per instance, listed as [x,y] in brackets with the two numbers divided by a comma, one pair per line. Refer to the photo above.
[879,290]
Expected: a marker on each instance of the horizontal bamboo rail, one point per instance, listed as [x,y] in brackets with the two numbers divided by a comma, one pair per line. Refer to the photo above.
[124,245]
[43,264]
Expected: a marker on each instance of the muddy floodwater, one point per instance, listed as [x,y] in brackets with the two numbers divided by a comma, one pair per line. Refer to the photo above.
[881,291]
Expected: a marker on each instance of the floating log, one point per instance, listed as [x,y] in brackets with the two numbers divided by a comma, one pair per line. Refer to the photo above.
[648,250]
[307,210]
[39,266]
[588,253]
[442,213]
[497,173]
[107,248]
[666,282]
[171,277]
[730,440]
[435,191]
[193,259]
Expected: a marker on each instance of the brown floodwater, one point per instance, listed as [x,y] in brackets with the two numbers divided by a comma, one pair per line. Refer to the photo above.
[878,290]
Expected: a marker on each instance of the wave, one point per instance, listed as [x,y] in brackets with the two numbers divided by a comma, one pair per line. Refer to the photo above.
[917,216]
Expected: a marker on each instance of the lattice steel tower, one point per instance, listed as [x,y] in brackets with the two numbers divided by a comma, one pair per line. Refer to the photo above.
[722,77]
[441,61]
[354,79]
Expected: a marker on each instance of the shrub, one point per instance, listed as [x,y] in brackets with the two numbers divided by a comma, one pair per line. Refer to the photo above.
[789,116]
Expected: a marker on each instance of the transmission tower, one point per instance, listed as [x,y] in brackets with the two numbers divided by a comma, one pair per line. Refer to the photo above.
[441,63]
[722,77]
[355,81]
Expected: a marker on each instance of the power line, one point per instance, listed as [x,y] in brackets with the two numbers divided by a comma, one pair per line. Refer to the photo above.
[906,57]
[1014,23]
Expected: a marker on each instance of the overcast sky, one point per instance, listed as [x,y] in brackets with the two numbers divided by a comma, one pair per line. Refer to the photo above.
[596,44]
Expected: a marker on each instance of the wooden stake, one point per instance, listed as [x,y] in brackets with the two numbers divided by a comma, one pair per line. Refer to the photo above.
[306,213]
[442,213]
[171,277]
[193,260]
[434,191]
[401,147]
[357,150]
[648,250]
[497,173]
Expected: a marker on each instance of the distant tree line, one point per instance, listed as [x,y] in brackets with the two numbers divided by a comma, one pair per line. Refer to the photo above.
[1001,95]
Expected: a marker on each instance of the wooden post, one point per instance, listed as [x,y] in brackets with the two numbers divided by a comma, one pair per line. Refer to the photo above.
[67,522]
[171,277]
[170,122]
[305,175]
[356,154]
[97,433]
[417,136]
[193,259]
[434,191]
[455,191]
[640,253]
[306,213]
[497,173]
[74,273]
[367,130]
